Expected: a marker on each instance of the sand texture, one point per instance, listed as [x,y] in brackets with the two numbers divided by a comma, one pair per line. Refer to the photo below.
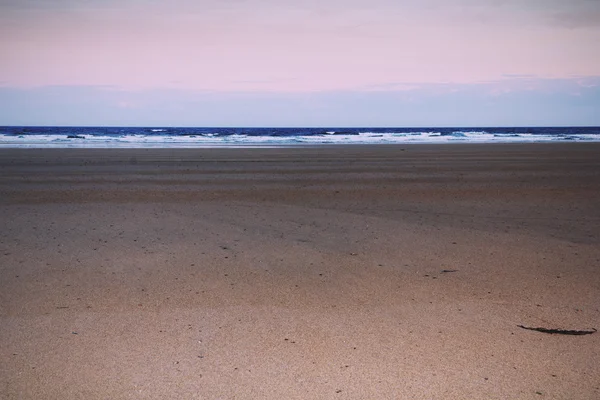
[382,272]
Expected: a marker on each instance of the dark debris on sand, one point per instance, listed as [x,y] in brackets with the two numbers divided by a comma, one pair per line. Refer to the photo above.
[560,331]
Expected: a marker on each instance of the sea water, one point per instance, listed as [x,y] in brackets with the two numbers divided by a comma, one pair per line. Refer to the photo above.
[139,137]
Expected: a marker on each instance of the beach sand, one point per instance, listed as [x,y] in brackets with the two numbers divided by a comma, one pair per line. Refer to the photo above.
[358,272]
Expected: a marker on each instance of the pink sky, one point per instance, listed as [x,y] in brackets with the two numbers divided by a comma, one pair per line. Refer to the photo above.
[285,46]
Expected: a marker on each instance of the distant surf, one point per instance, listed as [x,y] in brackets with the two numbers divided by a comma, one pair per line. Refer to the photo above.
[136,137]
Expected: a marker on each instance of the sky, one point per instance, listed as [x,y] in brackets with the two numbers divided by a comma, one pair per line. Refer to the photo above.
[300,63]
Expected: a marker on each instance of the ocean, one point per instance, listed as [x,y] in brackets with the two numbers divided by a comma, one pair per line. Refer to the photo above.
[138,137]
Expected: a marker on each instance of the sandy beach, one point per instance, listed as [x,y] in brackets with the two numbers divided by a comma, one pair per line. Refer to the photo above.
[356,272]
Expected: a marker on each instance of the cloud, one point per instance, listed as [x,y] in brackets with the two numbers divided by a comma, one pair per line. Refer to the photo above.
[571,20]
[47,5]
[323,45]
[393,86]
[509,102]
[127,104]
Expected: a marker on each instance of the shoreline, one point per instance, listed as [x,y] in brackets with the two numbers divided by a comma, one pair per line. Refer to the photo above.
[203,137]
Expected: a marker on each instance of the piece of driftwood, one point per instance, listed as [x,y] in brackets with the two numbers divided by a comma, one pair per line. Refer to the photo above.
[560,331]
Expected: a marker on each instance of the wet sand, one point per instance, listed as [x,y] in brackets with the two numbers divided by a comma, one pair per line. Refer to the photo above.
[359,272]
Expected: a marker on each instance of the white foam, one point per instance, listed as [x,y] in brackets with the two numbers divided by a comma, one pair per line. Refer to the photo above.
[242,140]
